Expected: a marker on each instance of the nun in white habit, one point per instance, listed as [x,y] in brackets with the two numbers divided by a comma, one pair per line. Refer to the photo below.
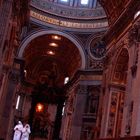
[25,132]
[18,131]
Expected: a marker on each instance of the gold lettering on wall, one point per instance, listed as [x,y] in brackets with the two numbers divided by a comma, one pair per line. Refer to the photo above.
[67,23]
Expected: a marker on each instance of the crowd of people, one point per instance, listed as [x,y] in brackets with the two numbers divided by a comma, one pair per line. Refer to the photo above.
[21,132]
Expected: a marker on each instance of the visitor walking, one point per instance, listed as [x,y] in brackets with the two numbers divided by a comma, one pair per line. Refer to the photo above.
[25,132]
[18,131]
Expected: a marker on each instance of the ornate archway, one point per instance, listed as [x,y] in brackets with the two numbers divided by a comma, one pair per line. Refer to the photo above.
[42,32]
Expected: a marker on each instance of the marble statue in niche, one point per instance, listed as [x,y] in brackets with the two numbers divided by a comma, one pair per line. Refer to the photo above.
[94,104]
[93,100]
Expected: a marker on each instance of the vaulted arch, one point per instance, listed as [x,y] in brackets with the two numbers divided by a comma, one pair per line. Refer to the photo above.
[45,54]
[121,66]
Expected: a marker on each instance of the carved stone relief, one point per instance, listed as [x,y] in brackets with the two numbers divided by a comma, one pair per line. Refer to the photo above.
[96,65]
[112,114]
[82,89]
[129,122]
[115,114]
[96,51]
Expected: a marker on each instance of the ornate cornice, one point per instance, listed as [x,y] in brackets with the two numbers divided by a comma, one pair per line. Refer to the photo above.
[84,75]
[117,86]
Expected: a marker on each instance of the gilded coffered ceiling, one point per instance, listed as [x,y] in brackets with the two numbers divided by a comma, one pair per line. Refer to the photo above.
[114,9]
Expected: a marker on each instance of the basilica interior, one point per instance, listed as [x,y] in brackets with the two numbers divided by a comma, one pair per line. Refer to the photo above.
[70,69]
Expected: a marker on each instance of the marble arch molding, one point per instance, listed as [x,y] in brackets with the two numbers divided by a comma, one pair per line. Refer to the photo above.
[69,52]
[121,67]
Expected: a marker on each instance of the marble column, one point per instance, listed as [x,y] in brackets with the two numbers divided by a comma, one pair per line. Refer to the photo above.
[58,119]
[5,13]
[79,107]
[134,96]
[135,130]
[7,112]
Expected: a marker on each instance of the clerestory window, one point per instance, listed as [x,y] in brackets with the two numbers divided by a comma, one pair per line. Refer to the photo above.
[84,2]
[64,0]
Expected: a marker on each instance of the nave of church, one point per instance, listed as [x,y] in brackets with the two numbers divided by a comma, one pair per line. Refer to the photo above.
[69,69]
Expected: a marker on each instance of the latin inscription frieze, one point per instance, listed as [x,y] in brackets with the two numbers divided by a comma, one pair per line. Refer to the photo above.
[69,24]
